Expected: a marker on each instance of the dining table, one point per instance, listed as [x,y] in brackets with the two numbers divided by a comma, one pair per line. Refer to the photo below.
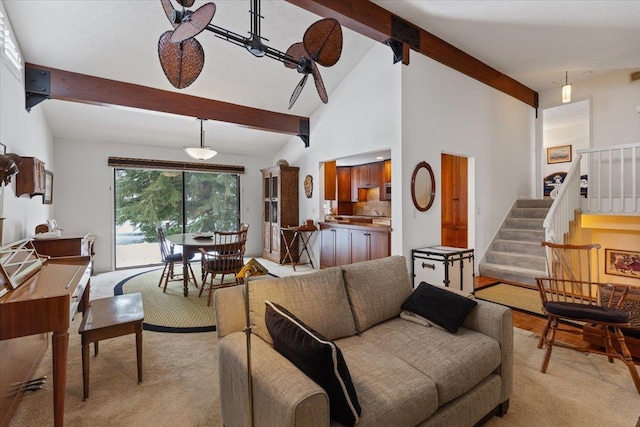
[191,244]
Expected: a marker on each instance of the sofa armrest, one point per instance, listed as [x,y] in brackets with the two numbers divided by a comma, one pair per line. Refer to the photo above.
[496,321]
[283,396]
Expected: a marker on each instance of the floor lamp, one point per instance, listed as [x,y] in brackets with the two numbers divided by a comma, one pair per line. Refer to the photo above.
[247,331]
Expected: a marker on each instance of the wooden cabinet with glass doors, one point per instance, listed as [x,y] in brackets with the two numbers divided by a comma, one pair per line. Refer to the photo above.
[280,209]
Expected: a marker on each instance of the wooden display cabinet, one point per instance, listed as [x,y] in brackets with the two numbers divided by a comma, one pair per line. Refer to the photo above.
[31,178]
[280,209]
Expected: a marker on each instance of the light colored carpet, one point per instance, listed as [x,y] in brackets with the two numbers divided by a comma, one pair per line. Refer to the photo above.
[180,387]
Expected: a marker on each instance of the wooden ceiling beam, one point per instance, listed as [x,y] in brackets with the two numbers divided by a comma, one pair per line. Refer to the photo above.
[375,22]
[75,87]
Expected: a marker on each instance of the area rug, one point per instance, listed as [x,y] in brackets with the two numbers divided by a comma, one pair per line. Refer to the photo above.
[180,386]
[516,297]
[171,311]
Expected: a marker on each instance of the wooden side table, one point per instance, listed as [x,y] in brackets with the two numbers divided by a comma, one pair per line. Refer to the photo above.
[304,232]
[109,318]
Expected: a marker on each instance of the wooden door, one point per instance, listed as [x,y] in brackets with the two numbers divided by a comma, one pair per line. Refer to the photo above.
[454,200]
[342,248]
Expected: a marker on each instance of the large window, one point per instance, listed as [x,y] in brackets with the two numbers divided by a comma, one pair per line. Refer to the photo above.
[181,201]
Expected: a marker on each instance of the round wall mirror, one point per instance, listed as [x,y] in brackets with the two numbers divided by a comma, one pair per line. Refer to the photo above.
[423,186]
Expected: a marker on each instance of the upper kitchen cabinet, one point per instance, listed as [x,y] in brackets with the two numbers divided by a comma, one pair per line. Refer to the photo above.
[31,178]
[385,181]
[369,175]
[330,180]
[344,184]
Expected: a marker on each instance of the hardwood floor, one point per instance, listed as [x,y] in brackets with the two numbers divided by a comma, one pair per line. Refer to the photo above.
[530,322]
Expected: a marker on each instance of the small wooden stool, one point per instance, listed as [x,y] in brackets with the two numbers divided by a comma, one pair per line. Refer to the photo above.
[109,318]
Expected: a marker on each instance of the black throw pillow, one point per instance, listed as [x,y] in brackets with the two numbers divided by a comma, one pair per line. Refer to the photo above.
[440,306]
[319,358]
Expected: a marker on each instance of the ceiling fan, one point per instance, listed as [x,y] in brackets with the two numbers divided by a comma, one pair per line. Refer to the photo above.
[182,56]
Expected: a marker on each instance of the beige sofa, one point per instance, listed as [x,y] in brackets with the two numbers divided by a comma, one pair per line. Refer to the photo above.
[405,374]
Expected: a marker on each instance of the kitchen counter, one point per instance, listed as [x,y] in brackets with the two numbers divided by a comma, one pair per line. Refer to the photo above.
[342,223]
[384,221]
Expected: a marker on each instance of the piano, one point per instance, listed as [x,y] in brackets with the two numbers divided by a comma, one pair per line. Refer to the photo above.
[45,302]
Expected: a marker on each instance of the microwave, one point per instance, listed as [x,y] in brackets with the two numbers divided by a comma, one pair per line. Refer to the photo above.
[387,191]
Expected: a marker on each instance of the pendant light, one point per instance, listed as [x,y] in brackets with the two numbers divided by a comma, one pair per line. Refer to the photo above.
[202,152]
[566,89]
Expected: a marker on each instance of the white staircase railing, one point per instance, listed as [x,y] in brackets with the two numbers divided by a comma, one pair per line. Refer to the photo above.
[562,211]
[613,187]
[614,179]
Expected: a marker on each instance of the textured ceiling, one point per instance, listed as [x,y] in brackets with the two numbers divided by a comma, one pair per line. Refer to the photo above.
[532,41]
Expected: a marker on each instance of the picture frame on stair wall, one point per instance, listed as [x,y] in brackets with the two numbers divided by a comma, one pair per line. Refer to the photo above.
[559,154]
[623,263]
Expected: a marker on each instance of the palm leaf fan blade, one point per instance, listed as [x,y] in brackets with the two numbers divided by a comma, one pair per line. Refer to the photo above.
[181,62]
[323,41]
[295,51]
[317,78]
[168,10]
[194,23]
[297,90]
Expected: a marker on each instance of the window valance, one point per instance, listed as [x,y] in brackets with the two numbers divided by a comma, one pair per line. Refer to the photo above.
[126,162]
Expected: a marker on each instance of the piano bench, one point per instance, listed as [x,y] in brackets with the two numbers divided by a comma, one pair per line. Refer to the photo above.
[109,318]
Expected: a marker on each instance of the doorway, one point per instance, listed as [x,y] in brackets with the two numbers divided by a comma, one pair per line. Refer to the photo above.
[180,201]
[455,200]
[566,128]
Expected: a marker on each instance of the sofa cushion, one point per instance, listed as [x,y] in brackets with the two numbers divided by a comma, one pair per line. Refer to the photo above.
[455,362]
[377,289]
[390,391]
[444,308]
[311,296]
[320,359]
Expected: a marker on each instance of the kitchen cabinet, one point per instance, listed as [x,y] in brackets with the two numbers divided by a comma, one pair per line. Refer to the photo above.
[280,209]
[354,183]
[334,246]
[31,178]
[344,184]
[330,180]
[342,244]
[369,244]
[369,175]
[385,181]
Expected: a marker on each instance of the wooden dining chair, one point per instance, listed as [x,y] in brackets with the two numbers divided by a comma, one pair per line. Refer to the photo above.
[170,258]
[227,258]
[586,302]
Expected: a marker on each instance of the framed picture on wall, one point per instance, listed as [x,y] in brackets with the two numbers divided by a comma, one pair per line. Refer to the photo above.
[47,198]
[559,154]
[622,263]
[3,149]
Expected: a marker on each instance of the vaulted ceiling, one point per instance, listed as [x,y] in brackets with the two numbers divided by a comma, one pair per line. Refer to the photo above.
[532,42]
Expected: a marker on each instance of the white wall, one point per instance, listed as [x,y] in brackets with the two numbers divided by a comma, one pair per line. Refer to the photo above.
[419,112]
[576,135]
[83,194]
[26,134]
[614,98]
[444,111]
[363,115]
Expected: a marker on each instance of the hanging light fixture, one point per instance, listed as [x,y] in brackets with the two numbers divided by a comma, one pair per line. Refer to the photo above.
[566,89]
[202,152]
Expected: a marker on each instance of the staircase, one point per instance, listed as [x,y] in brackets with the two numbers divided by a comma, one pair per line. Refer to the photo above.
[516,254]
